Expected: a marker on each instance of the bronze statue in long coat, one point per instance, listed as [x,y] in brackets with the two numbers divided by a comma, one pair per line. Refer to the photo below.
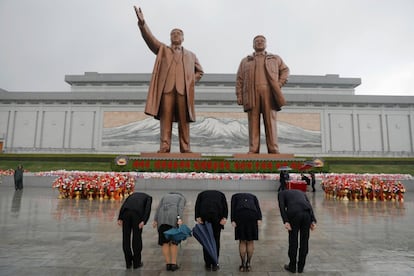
[171,91]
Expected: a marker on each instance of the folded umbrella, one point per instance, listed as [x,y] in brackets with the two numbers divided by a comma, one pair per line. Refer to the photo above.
[204,234]
[178,234]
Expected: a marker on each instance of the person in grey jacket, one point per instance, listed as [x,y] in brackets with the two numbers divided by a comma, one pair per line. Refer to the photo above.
[168,215]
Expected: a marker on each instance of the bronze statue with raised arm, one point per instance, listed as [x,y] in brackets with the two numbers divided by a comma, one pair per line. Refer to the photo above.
[258,88]
[171,91]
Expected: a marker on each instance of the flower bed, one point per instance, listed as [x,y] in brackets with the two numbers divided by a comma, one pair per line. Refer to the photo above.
[6,172]
[112,186]
[363,187]
[172,175]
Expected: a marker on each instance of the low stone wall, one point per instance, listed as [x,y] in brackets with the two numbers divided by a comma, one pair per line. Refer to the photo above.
[164,184]
[30,180]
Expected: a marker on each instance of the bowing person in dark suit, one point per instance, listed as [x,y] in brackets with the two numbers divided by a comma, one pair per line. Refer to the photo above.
[211,206]
[298,217]
[133,215]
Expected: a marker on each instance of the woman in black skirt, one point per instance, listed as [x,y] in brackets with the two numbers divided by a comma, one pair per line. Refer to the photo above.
[245,218]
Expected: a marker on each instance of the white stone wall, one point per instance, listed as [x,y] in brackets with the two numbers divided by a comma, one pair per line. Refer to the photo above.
[50,129]
[382,132]
[347,124]
[68,128]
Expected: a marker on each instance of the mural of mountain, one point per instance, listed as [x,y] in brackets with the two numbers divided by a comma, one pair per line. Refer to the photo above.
[209,135]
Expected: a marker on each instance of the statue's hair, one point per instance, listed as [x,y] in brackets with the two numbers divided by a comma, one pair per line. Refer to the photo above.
[257,36]
[176,29]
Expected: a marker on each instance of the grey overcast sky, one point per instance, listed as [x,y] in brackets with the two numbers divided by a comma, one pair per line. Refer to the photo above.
[42,41]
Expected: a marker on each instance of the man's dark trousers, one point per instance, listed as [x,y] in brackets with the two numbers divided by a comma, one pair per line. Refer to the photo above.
[131,223]
[300,223]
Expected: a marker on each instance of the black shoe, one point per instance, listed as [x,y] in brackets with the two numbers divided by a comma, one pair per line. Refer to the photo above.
[288,268]
[168,267]
[300,270]
[174,267]
[141,264]
[208,267]
[215,268]
[129,265]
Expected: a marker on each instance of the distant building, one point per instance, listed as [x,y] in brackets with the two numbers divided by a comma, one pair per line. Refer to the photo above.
[103,113]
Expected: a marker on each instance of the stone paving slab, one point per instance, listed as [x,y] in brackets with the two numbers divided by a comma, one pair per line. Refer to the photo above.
[43,235]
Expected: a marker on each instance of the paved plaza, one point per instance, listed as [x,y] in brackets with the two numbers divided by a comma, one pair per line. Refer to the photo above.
[43,235]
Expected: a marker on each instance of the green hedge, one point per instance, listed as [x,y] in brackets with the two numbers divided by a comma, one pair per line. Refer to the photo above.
[58,157]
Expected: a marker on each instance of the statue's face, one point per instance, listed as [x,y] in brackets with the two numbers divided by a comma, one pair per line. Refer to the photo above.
[259,44]
[177,37]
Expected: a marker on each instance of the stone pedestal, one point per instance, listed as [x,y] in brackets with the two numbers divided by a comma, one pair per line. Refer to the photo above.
[191,155]
[259,156]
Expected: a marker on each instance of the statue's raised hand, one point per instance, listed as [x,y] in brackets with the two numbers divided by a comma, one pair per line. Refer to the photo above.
[139,13]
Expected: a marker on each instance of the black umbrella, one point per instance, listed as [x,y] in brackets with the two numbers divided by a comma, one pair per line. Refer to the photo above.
[204,234]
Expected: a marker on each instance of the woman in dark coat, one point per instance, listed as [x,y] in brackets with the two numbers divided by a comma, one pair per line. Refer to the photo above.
[246,215]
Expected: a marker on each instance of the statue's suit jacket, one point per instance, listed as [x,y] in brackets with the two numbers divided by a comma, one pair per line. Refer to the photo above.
[277,74]
[192,73]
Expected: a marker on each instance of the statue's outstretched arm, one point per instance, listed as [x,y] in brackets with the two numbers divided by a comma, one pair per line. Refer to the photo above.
[153,43]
